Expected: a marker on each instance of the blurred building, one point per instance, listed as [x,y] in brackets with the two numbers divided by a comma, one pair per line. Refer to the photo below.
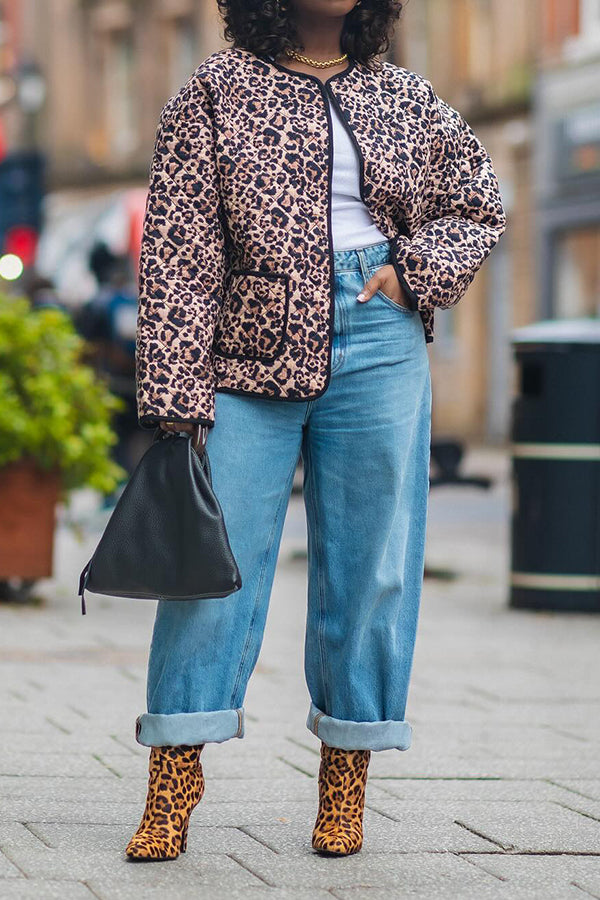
[480,56]
[568,159]
[107,67]
[11,52]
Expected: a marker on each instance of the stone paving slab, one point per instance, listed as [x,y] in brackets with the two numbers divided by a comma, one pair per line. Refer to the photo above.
[64,744]
[114,890]
[26,787]
[526,826]
[17,835]
[533,828]
[517,742]
[456,891]
[482,731]
[73,765]
[262,790]
[590,884]
[568,717]
[7,869]
[365,869]
[437,765]
[87,862]
[460,709]
[485,790]
[585,787]
[543,874]
[435,876]
[73,813]
[523,684]
[34,889]
[588,808]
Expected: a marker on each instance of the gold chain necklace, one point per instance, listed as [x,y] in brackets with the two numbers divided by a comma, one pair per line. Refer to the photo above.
[319,64]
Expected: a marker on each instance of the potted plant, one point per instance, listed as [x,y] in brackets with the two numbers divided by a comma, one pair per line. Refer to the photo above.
[55,433]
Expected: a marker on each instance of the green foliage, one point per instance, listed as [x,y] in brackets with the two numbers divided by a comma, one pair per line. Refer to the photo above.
[53,408]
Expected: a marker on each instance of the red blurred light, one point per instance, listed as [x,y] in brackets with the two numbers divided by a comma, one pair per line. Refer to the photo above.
[22,241]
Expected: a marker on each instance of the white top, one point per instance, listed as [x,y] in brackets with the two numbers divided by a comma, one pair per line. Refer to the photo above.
[352,224]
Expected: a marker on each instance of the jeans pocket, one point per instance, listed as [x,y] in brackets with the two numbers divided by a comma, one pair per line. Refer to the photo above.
[388,300]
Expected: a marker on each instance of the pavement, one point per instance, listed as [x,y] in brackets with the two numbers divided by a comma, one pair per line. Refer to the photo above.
[498,798]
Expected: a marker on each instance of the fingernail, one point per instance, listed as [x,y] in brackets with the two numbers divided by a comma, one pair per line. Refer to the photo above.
[361,297]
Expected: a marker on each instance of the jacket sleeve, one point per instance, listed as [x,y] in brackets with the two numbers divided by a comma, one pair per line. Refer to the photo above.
[182,266]
[462,215]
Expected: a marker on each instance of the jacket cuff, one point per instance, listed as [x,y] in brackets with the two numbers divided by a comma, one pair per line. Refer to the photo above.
[411,296]
[150,421]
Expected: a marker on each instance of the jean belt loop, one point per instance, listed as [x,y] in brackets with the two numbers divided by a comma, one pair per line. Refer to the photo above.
[362,262]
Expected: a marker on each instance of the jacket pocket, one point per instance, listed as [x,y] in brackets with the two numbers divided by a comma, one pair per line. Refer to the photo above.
[253,318]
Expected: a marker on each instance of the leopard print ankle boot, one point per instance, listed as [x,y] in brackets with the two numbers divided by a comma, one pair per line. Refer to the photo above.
[175,788]
[342,781]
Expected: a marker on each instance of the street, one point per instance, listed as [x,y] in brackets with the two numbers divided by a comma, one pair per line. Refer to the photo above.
[499,796]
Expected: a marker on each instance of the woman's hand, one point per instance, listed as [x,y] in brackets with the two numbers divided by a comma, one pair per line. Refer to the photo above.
[177,426]
[386,280]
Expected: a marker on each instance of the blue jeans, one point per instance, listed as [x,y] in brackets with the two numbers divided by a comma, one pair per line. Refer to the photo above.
[365,445]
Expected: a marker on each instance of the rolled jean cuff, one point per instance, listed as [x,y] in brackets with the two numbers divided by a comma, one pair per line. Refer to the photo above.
[189,729]
[348,735]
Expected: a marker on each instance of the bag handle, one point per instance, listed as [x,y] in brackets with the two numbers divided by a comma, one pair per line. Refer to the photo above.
[198,438]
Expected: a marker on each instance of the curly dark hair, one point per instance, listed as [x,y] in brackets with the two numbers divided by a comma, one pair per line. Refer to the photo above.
[268,27]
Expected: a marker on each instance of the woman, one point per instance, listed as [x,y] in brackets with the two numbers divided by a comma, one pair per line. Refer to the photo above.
[310,207]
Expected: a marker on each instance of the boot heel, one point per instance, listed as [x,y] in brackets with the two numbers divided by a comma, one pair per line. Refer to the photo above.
[184,836]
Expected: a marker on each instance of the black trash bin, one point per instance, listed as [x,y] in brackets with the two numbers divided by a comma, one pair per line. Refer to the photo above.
[555,537]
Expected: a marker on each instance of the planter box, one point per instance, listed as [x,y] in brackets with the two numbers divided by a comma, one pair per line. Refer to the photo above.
[28,498]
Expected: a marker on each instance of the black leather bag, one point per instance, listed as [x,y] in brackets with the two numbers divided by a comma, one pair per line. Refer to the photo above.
[166,538]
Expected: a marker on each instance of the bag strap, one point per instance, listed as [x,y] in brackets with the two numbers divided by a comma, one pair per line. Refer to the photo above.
[83,580]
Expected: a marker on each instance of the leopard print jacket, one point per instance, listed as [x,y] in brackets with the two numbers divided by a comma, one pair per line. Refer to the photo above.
[236,269]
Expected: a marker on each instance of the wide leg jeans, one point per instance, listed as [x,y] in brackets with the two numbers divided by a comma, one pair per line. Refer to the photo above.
[365,448]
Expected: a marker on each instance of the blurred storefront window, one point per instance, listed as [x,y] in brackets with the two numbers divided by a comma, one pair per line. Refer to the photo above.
[182,51]
[576,249]
[568,171]
[445,332]
[119,92]
[578,273]
[585,38]
[578,153]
